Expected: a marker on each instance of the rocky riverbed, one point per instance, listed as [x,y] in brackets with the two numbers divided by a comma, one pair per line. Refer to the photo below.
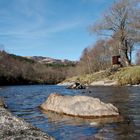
[12,128]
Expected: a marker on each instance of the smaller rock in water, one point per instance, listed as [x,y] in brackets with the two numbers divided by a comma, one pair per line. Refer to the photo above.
[2,103]
[76,86]
[81,106]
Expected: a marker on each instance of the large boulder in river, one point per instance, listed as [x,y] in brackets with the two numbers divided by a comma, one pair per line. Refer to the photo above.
[81,106]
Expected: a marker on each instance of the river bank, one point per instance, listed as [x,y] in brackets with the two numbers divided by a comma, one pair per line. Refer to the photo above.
[12,127]
[109,77]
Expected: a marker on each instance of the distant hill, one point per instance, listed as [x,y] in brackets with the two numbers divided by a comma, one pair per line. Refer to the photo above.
[49,60]
[32,70]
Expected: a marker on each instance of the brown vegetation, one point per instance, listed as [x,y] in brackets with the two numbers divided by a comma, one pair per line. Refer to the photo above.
[19,70]
[138,57]
[94,58]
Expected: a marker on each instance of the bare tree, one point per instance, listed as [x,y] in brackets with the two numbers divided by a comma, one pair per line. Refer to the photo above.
[121,23]
[95,58]
[138,57]
[84,65]
[100,53]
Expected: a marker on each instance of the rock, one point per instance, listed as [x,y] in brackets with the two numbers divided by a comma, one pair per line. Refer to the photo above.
[76,85]
[104,83]
[65,84]
[81,106]
[12,128]
[2,103]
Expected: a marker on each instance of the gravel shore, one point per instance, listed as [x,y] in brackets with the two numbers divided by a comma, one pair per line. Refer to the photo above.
[14,128]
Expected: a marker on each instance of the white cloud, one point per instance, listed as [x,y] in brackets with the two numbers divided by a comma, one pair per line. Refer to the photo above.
[64,26]
[38,31]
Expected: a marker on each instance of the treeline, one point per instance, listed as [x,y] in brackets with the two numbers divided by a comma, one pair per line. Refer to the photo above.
[20,70]
[95,58]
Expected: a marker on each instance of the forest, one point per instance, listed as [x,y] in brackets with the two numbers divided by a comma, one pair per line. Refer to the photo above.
[17,70]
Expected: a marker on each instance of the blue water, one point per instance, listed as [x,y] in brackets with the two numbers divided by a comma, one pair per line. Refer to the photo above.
[23,101]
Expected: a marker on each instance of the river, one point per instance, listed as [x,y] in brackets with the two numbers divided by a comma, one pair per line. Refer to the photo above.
[23,101]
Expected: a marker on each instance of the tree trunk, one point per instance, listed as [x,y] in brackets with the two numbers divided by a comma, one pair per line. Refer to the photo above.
[127,60]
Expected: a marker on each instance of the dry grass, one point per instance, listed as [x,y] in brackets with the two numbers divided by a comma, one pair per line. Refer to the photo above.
[89,78]
[124,76]
[128,75]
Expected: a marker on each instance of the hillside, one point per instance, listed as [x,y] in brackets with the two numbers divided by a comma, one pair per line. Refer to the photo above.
[51,61]
[22,70]
[112,76]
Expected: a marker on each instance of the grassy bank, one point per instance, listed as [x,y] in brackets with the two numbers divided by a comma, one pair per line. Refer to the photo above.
[128,75]
[123,76]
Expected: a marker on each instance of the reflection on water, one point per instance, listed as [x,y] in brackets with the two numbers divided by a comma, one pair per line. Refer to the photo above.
[24,101]
[57,118]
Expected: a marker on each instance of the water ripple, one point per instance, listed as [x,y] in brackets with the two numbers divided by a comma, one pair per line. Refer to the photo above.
[23,101]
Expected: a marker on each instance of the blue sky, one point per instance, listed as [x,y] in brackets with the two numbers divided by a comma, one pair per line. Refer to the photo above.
[54,28]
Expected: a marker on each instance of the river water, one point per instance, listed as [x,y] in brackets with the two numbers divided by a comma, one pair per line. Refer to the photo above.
[23,101]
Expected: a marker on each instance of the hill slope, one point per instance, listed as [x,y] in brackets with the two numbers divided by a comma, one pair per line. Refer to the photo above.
[21,70]
[49,60]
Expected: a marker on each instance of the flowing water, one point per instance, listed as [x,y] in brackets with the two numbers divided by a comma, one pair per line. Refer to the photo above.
[23,101]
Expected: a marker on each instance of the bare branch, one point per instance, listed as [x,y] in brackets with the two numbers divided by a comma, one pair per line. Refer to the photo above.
[121,22]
